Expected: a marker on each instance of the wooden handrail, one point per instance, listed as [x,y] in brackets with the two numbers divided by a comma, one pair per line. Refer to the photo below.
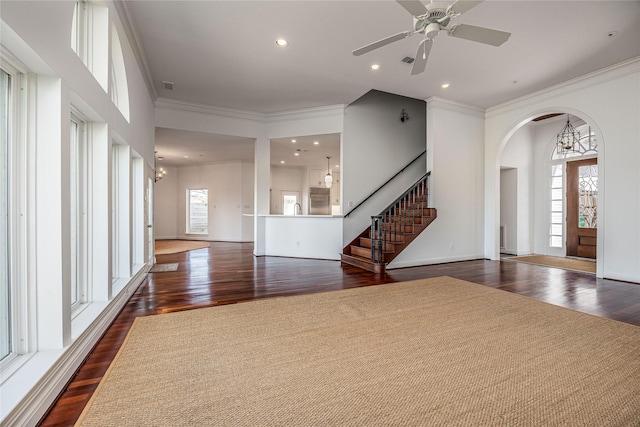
[388,181]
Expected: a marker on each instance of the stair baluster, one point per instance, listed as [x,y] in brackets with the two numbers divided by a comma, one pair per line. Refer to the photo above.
[392,230]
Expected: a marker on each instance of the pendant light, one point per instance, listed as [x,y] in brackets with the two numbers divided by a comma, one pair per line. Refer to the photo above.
[568,138]
[328,179]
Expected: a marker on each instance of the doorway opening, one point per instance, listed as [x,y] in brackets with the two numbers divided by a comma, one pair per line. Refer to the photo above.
[549,197]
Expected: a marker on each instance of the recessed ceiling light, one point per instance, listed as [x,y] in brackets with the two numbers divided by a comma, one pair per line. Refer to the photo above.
[375,67]
[445,85]
[281,43]
[294,141]
[186,157]
[281,161]
[612,33]
[316,143]
[160,158]
[296,154]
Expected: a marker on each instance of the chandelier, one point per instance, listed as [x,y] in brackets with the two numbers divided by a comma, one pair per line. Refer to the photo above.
[160,173]
[568,138]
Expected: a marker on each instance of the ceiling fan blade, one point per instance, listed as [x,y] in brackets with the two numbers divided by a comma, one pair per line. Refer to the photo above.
[383,42]
[419,64]
[414,7]
[479,34]
[461,6]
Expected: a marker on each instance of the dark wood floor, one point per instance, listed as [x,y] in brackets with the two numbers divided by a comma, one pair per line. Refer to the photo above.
[228,273]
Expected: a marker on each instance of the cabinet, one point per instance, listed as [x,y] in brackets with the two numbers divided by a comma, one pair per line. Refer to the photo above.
[316,177]
[335,188]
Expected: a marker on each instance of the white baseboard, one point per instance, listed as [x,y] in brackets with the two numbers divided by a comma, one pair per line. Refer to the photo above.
[418,263]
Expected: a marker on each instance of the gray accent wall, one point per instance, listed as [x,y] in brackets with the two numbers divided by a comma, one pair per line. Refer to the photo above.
[376,144]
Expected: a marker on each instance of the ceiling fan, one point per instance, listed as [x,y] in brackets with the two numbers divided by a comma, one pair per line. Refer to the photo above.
[428,20]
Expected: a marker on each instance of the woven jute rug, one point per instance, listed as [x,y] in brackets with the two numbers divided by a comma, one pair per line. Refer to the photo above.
[163,247]
[559,262]
[436,352]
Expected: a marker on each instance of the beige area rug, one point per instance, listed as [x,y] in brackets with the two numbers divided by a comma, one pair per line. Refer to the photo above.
[552,261]
[436,352]
[164,247]
[162,268]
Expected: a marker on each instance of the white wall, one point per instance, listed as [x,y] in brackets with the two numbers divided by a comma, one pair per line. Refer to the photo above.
[454,156]
[608,101]
[509,209]
[230,188]
[518,154]
[165,206]
[375,146]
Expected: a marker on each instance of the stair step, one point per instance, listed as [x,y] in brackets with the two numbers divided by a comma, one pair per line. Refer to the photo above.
[403,218]
[394,238]
[365,242]
[363,263]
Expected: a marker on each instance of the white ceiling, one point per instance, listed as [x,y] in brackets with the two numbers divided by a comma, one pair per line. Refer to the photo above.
[223,53]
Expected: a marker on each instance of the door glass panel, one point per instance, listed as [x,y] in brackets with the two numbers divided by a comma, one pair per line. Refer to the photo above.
[587,196]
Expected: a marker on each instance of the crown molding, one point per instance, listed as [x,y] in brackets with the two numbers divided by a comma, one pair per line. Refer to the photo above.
[621,69]
[308,113]
[136,46]
[174,104]
[435,101]
[300,114]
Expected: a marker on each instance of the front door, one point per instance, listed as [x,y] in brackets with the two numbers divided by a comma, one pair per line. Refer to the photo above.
[582,208]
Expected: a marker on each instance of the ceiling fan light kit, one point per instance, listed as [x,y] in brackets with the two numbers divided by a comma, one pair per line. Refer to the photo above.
[429,20]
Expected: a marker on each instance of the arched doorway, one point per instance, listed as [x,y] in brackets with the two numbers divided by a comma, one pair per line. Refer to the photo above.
[549,197]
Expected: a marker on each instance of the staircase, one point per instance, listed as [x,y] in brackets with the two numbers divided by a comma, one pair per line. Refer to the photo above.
[392,230]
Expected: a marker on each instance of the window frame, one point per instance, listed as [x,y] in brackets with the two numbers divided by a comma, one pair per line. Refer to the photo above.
[19,196]
[79,218]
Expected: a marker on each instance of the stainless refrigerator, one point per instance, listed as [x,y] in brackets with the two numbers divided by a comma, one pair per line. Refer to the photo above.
[319,201]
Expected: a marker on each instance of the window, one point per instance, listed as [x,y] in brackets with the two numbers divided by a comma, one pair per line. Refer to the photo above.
[557,207]
[198,211]
[290,205]
[78,29]
[119,86]
[5,295]
[115,196]
[90,38]
[78,209]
